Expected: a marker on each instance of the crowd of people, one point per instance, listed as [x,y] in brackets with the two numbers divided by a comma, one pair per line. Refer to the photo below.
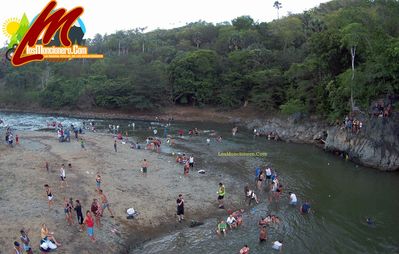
[266,179]
[381,109]
[351,124]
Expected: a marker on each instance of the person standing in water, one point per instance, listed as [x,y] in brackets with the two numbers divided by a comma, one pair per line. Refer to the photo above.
[186,168]
[260,180]
[221,192]
[293,199]
[191,161]
[222,228]
[244,250]
[263,234]
[305,208]
[115,148]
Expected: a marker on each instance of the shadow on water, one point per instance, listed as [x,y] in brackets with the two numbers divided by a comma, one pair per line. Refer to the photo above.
[342,194]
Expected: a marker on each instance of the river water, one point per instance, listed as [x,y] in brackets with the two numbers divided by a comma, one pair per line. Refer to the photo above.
[341,193]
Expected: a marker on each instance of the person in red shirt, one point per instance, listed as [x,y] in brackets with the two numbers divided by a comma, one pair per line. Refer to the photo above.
[16,139]
[90,225]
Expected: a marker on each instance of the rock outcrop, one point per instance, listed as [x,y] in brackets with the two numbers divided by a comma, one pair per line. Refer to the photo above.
[376,145]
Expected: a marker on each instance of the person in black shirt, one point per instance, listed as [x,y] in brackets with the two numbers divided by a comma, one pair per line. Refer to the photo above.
[180,207]
[79,214]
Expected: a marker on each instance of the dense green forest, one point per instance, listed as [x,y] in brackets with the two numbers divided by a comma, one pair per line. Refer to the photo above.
[298,63]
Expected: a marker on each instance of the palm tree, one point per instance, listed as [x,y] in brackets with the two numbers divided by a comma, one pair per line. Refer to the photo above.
[278,6]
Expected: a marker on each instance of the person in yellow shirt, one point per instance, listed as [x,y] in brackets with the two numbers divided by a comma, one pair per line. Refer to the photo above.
[221,193]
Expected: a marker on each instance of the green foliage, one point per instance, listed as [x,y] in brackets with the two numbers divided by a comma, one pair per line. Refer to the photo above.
[299,63]
[293,106]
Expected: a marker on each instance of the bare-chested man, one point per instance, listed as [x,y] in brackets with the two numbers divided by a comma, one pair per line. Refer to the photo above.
[104,203]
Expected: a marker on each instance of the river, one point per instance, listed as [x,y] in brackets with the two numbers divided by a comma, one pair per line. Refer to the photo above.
[341,193]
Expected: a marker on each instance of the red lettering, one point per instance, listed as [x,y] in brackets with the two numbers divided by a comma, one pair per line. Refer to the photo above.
[49,24]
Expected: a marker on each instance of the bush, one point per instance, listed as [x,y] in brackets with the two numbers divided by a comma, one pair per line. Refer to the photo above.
[293,106]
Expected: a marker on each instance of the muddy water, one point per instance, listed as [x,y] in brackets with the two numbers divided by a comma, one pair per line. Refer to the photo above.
[342,194]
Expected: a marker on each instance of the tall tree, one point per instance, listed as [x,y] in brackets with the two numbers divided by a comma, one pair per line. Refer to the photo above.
[353,35]
[278,6]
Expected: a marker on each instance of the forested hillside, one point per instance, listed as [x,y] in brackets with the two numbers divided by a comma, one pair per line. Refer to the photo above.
[301,62]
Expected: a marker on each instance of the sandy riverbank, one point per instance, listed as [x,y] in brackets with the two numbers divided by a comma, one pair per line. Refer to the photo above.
[178,113]
[23,200]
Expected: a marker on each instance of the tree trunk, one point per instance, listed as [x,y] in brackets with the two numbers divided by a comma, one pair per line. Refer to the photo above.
[353,54]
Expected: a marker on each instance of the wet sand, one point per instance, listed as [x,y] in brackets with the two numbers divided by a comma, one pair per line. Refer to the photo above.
[23,201]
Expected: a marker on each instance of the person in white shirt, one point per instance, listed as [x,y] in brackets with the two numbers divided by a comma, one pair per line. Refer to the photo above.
[231,221]
[63,176]
[278,245]
[293,199]
[208,141]
[191,161]
[268,173]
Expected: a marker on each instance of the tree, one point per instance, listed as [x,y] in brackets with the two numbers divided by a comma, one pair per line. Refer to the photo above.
[353,35]
[278,6]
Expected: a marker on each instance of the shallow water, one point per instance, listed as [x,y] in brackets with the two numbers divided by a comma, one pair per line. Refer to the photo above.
[342,195]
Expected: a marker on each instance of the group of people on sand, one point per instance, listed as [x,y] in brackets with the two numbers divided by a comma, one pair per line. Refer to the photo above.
[73,212]
[187,161]
[64,133]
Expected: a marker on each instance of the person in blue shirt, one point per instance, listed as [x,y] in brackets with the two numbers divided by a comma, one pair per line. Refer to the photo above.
[257,173]
[305,208]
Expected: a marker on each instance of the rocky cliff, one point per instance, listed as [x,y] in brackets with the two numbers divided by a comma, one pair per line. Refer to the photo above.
[376,145]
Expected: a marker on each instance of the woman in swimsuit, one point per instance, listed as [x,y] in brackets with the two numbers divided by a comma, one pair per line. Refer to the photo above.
[68,211]
[47,235]
[49,195]
[96,210]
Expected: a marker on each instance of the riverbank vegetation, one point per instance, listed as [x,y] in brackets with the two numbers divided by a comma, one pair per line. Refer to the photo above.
[325,61]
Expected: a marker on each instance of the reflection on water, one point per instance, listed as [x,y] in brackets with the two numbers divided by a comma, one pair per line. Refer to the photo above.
[342,195]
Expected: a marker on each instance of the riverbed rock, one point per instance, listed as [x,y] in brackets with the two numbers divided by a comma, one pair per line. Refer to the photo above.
[376,145]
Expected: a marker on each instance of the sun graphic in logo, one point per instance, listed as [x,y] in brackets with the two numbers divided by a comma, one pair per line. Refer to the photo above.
[10,27]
